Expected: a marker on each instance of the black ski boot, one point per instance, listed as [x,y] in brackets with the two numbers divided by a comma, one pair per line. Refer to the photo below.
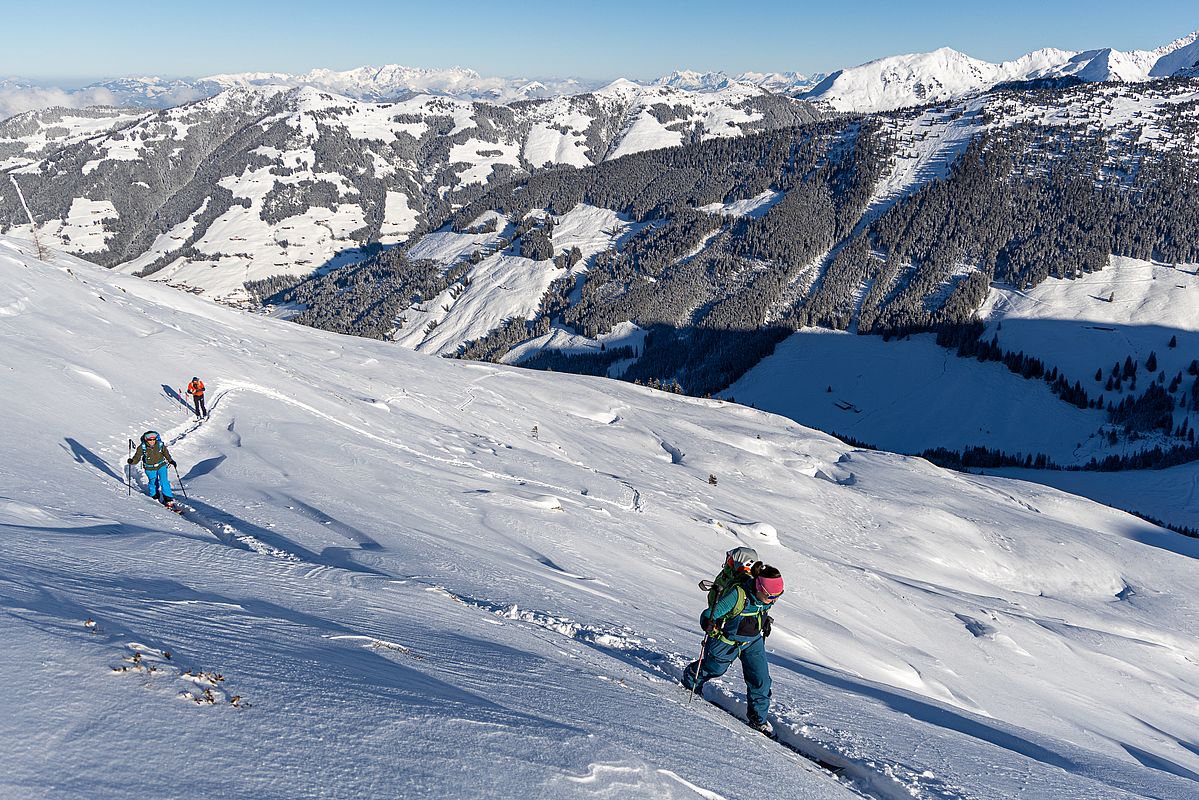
[763,727]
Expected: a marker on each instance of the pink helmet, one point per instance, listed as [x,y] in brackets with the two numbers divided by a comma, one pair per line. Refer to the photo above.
[769,584]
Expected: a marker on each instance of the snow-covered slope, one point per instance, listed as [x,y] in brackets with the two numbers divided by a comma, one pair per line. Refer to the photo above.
[926,145]
[39,134]
[426,578]
[911,395]
[1131,308]
[946,74]
[915,79]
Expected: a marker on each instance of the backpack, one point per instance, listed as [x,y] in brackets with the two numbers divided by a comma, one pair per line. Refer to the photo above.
[159,450]
[748,619]
[737,564]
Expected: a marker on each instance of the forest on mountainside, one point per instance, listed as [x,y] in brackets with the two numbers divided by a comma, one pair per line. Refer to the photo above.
[1025,201]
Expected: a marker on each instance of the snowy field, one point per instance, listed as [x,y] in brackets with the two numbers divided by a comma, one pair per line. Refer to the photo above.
[1131,308]
[402,576]
[910,395]
[1171,495]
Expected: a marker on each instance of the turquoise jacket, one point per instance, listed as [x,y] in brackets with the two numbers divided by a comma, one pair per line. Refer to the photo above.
[740,613]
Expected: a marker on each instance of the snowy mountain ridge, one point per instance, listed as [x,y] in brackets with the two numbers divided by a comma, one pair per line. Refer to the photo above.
[946,74]
[927,144]
[778,82]
[407,575]
[393,81]
[260,181]
[880,85]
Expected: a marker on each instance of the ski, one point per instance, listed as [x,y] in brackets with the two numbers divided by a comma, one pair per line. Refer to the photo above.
[773,735]
[170,505]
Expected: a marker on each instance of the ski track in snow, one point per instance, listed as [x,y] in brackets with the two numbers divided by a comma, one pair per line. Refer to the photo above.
[234,537]
[222,530]
[634,649]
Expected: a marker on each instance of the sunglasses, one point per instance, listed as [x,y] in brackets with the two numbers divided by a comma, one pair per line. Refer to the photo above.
[767,597]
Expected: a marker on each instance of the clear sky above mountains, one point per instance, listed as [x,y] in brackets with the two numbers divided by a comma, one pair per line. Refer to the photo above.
[88,40]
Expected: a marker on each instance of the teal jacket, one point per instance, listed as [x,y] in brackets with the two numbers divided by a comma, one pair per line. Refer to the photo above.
[739,613]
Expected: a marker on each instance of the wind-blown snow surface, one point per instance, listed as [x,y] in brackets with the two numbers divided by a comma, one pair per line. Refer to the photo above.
[411,594]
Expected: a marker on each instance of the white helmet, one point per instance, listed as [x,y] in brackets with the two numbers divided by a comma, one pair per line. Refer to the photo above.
[741,558]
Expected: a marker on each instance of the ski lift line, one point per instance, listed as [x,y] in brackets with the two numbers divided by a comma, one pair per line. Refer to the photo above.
[20,194]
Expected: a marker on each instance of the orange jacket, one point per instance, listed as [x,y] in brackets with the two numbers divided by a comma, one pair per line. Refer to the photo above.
[196,388]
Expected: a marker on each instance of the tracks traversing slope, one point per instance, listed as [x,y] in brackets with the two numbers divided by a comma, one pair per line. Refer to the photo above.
[869,779]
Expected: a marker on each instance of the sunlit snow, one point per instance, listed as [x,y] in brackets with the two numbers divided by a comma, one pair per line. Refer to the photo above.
[421,577]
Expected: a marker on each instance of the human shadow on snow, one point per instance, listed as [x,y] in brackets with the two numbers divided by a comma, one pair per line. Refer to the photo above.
[204,467]
[225,526]
[170,392]
[360,537]
[83,455]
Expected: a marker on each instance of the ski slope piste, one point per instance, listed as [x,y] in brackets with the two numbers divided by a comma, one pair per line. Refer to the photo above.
[385,584]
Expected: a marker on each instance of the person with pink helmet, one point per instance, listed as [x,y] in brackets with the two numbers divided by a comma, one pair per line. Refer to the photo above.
[736,627]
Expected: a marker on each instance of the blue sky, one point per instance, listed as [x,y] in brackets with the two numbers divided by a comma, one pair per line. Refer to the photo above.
[68,39]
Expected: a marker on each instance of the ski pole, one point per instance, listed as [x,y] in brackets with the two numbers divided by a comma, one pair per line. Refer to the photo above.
[129,473]
[181,486]
[698,665]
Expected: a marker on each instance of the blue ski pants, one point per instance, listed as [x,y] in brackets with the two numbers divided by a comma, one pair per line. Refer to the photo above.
[158,480]
[719,656]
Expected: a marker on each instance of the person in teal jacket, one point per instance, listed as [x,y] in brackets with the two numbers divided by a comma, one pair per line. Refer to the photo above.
[736,625]
[155,458]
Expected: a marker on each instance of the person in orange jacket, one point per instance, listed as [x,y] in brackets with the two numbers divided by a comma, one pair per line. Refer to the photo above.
[196,390]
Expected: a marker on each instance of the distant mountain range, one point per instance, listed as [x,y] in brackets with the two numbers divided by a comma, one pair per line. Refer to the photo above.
[394,82]
[778,82]
[882,85]
[374,84]
[946,74]
[269,180]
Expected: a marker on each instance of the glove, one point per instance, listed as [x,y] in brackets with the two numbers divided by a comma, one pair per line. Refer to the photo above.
[172,463]
[713,629]
[130,461]
[766,625]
